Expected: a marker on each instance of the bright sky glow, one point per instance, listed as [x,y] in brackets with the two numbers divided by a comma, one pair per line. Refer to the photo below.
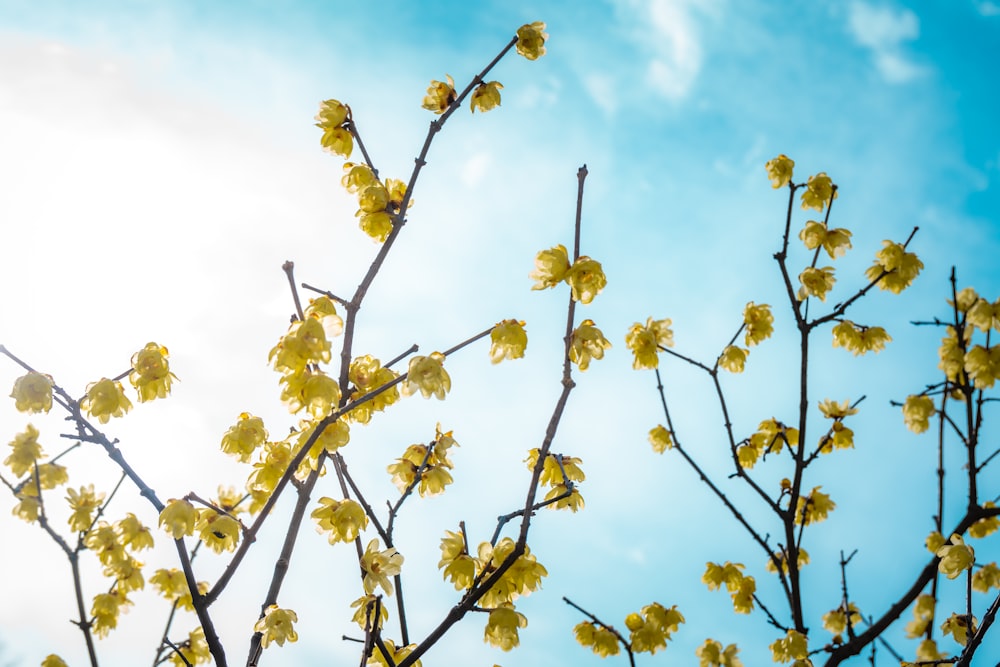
[159,163]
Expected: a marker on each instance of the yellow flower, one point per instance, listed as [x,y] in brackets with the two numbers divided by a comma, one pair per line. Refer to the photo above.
[336,138]
[397,192]
[440,95]
[324,310]
[555,466]
[522,578]
[983,315]
[105,610]
[53,660]
[729,574]
[333,437]
[170,583]
[456,563]
[185,601]
[859,340]
[839,437]
[983,365]
[927,651]
[83,503]
[923,613]
[772,435]
[816,282]
[243,439]
[965,300]
[178,518]
[759,323]
[507,341]
[711,654]
[586,279]
[836,242]
[573,501]
[833,410]
[659,438]
[367,374]
[917,412]
[365,607]
[986,577]
[315,391]
[836,621]
[29,507]
[150,373]
[743,597]
[956,557]
[502,625]
[305,343]
[332,113]
[133,534]
[934,541]
[427,374]
[813,508]
[645,342]
[733,359]
[105,399]
[433,476]
[586,343]
[900,267]
[26,451]
[782,558]
[397,654]
[220,532]
[485,97]
[951,355]
[276,626]
[194,649]
[793,646]
[986,526]
[268,470]
[819,191]
[601,640]
[959,627]
[650,631]
[32,393]
[779,170]
[342,520]
[378,566]
[357,177]
[551,267]
[531,40]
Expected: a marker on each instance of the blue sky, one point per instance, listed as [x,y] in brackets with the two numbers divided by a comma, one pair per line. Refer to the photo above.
[159,163]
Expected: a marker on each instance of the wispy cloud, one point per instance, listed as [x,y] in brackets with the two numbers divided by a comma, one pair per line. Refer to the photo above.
[987,8]
[883,30]
[666,32]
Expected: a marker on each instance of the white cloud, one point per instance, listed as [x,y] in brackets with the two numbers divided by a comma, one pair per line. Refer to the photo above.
[883,31]
[601,89]
[475,168]
[987,8]
[667,31]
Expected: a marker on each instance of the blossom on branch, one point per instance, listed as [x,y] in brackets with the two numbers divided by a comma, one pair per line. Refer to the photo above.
[531,40]
[440,95]
[427,374]
[645,342]
[779,170]
[105,399]
[150,373]
[485,97]
[32,393]
[276,626]
[508,340]
[587,342]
